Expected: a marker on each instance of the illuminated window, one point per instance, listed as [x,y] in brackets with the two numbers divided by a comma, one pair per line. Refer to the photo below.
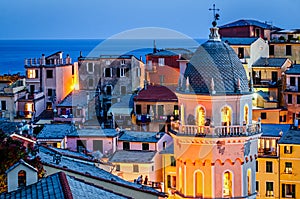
[118,168]
[198,179]
[246,113]
[22,178]
[288,149]
[288,167]
[161,61]
[227,184]
[269,189]
[226,116]
[249,181]
[200,116]
[31,73]
[28,107]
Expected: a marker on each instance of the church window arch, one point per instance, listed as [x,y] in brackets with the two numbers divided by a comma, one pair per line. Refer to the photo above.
[200,116]
[227,184]
[226,115]
[198,184]
[246,114]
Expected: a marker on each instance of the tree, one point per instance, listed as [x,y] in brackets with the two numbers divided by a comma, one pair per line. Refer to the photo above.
[11,151]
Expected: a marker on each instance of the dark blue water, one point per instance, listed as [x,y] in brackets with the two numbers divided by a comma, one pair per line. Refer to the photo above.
[13,52]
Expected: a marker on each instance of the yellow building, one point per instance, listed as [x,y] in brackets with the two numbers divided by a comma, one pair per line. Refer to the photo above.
[267,165]
[289,161]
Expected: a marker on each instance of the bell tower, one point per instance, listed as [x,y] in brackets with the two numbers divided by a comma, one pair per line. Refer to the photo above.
[215,143]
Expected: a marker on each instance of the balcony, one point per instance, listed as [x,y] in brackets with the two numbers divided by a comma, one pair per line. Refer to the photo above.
[219,131]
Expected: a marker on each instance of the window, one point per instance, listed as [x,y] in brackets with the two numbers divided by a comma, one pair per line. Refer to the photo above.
[123,90]
[269,167]
[121,72]
[271,50]
[81,145]
[32,73]
[138,109]
[173,161]
[90,67]
[160,110]
[288,50]
[50,93]
[162,79]
[292,81]
[107,72]
[135,168]
[269,189]
[290,99]
[122,62]
[282,118]
[168,181]
[91,82]
[164,145]
[3,105]
[298,99]
[49,74]
[288,149]
[126,146]
[257,32]
[145,146]
[263,115]
[256,166]
[257,186]
[288,167]
[118,168]
[108,89]
[161,61]
[138,72]
[241,53]
[149,62]
[22,178]
[288,191]
[98,145]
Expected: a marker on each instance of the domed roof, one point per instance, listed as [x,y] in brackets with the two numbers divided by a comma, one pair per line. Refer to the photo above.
[215,68]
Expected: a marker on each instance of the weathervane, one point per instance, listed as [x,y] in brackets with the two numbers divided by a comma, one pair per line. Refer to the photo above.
[216,15]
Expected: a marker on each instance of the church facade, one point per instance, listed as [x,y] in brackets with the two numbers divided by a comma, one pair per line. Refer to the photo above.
[215,139]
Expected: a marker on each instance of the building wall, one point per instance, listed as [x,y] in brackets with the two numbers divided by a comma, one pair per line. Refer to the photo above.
[12,177]
[63,82]
[108,143]
[280,51]
[124,190]
[262,176]
[293,177]
[137,145]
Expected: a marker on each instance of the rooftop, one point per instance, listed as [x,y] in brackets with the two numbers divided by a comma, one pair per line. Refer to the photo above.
[61,186]
[94,133]
[85,169]
[239,40]
[248,22]
[293,70]
[156,93]
[9,127]
[133,156]
[56,131]
[270,62]
[290,137]
[136,136]
[273,130]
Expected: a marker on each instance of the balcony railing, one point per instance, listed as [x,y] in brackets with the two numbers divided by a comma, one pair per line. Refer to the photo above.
[219,131]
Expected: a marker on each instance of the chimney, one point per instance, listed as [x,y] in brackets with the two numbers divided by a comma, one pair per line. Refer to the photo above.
[145,84]
[43,60]
[154,47]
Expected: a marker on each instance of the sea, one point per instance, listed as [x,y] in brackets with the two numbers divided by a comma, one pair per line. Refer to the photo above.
[14,52]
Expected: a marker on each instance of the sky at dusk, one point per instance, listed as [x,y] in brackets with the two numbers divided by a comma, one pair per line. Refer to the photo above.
[100,19]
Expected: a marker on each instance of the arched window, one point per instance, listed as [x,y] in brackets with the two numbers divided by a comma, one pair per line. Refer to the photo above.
[249,181]
[22,178]
[200,115]
[227,184]
[246,114]
[198,184]
[226,113]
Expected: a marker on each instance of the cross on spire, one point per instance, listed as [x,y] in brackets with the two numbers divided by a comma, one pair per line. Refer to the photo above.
[215,15]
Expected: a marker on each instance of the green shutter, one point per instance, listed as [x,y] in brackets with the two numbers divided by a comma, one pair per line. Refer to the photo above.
[294,191]
[283,190]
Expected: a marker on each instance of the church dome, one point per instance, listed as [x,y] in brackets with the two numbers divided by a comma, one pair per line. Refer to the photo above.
[215,69]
